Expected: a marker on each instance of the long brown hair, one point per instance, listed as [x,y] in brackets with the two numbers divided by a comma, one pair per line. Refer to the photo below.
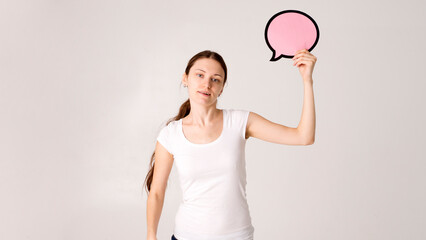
[185,108]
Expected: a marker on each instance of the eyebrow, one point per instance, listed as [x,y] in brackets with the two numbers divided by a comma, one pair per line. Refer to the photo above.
[205,71]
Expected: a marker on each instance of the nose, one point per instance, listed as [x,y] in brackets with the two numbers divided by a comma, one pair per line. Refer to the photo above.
[207,83]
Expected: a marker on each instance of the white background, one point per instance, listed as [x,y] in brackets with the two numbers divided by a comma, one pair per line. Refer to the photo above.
[85,87]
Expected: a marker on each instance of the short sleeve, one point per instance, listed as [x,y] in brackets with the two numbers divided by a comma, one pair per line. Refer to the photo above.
[239,118]
[164,138]
[244,114]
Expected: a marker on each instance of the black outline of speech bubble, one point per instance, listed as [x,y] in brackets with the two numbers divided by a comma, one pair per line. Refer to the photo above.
[283,12]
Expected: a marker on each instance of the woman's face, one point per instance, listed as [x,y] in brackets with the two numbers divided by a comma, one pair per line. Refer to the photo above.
[205,76]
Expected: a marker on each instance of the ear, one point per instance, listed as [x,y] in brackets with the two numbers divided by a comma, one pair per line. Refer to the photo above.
[184,79]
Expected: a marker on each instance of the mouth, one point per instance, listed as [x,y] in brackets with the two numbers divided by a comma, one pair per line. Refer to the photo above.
[205,94]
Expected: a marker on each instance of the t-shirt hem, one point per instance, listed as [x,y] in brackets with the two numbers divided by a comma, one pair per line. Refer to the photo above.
[245,233]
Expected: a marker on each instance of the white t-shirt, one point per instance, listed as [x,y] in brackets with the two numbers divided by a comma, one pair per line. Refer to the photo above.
[213,181]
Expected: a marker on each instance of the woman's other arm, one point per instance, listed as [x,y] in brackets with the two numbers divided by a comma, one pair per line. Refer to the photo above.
[163,164]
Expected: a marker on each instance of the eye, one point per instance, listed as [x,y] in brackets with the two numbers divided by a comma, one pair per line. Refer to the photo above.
[199,74]
[215,79]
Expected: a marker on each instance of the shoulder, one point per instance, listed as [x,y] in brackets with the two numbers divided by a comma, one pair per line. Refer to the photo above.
[237,112]
[169,128]
[237,116]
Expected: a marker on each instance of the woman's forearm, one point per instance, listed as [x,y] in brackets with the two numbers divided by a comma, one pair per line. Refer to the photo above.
[154,208]
[307,122]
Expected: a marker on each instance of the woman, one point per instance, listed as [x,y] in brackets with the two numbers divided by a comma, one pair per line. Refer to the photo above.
[208,147]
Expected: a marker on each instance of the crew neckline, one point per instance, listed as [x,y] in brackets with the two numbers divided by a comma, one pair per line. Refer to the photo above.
[204,144]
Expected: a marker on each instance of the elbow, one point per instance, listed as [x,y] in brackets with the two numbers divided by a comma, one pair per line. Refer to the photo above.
[309,142]
[157,194]
[306,139]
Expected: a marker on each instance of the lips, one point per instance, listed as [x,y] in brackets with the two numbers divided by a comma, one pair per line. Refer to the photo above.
[205,94]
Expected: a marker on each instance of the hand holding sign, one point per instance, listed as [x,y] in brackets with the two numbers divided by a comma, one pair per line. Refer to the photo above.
[305,61]
[290,31]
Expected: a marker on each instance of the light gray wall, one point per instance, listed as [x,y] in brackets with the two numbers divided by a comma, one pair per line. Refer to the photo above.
[87,85]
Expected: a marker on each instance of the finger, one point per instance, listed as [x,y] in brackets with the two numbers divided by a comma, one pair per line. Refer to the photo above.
[297,60]
[296,63]
[302,53]
[304,58]
[298,52]
[311,57]
[302,63]
[305,61]
[302,50]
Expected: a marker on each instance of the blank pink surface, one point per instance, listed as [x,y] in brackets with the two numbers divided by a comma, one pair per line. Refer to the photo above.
[291,32]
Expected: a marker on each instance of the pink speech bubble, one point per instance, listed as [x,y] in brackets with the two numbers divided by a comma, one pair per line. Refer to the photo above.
[290,31]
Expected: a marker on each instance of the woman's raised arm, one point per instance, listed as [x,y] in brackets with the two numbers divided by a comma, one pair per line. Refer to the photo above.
[304,134]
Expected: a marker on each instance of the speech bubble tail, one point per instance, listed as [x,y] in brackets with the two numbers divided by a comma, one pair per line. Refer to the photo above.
[274,57]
